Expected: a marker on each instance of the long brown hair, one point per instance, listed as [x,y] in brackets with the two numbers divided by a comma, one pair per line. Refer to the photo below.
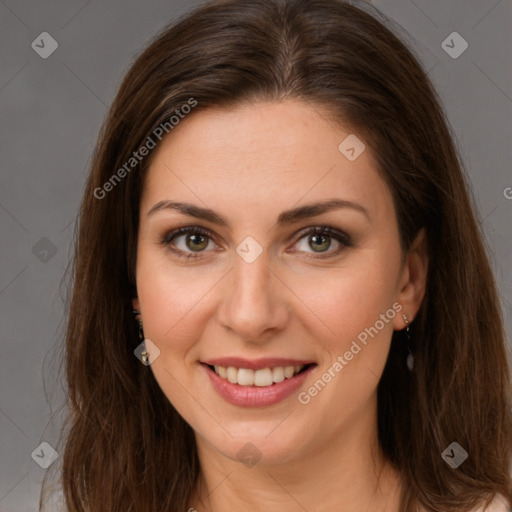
[125,446]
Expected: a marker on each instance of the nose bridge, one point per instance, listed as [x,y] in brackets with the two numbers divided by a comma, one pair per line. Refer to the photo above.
[252,281]
[253,303]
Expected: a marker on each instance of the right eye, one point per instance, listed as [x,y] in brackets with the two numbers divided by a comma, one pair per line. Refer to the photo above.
[194,237]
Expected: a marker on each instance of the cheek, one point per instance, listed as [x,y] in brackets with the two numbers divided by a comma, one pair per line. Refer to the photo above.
[173,299]
[351,299]
[358,310]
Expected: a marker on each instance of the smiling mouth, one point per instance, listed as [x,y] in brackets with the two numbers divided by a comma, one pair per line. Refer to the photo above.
[263,377]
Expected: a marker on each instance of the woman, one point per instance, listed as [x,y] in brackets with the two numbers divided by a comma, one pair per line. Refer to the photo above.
[281,298]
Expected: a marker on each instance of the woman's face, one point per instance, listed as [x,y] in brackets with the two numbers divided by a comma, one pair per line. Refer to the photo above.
[255,289]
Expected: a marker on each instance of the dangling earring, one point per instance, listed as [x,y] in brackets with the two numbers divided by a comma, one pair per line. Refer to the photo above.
[410,357]
[144,355]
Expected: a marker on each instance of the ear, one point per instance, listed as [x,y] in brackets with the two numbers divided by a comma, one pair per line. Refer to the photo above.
[413,280]
[135,303]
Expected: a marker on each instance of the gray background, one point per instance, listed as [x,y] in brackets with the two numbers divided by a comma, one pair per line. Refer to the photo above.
[51,110]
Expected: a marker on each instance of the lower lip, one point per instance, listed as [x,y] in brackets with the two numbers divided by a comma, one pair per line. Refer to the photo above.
[255,396]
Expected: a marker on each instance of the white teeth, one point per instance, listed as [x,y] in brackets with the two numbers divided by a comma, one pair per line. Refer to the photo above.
[278,374]
[245,377]
[289,371]
[232,374]
[261,378]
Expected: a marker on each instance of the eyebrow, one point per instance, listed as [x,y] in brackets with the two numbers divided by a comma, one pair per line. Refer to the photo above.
[285,218]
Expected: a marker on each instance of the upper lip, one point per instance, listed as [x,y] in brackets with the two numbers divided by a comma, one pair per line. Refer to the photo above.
[256,364]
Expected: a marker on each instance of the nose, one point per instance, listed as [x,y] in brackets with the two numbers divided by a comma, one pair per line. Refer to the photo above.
[254,305]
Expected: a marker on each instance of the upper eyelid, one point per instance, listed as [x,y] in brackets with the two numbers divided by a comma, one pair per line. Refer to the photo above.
[340,235]
[207,231]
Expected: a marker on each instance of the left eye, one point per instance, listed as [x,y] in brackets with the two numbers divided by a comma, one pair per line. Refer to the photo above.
[320,237]
[320,240]
[196,240]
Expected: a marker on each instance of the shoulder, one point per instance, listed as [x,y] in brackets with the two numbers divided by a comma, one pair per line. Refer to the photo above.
[498,504]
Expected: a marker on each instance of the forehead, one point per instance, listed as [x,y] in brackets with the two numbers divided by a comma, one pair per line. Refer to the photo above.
[267,154]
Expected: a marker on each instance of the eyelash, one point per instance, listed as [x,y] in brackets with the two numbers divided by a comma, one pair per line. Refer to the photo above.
[340,236]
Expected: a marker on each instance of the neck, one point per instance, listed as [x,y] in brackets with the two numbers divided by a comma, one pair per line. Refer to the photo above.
[347,473]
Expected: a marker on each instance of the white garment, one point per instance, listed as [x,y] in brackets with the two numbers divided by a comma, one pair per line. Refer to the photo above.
[499,504]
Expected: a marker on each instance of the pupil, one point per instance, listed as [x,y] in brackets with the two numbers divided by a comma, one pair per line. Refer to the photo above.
[315,238]
[196,243]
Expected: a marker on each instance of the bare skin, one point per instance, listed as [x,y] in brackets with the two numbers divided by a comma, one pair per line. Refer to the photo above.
[249,165]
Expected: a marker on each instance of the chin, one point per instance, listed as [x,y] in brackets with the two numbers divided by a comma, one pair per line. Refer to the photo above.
[262,442]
